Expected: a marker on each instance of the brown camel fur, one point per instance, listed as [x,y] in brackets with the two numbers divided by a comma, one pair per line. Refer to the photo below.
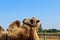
[2,34]
[26,31]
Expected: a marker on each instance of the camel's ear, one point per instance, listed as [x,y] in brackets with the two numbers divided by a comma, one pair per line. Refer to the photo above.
[15,24]
[38,21]
[0,27]
[23,21]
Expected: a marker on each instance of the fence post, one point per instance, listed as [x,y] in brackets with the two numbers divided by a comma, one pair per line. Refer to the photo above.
[59,37]
[45,35]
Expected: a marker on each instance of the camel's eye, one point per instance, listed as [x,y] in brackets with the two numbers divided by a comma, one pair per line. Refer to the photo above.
[31,21]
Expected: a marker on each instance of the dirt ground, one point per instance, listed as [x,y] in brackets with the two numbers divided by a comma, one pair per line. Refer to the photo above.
[49,37]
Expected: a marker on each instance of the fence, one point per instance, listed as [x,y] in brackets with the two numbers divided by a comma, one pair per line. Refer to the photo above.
[47,36]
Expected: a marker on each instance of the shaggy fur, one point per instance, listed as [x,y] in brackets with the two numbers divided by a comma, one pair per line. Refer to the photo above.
[17,32]
[14,26]
[33,23]
[33,35]
[2,34]
[26,31]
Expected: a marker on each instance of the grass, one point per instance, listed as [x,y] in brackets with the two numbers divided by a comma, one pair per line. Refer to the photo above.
[49,33]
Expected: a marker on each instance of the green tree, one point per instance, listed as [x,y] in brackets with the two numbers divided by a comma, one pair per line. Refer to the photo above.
[40,28]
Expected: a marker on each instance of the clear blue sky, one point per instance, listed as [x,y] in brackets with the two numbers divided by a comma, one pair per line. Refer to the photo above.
[48,11]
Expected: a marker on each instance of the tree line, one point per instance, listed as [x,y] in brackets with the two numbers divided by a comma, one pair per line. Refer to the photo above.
[48,31]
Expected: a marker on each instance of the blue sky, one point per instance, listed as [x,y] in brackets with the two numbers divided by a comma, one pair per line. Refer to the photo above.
[48,11]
